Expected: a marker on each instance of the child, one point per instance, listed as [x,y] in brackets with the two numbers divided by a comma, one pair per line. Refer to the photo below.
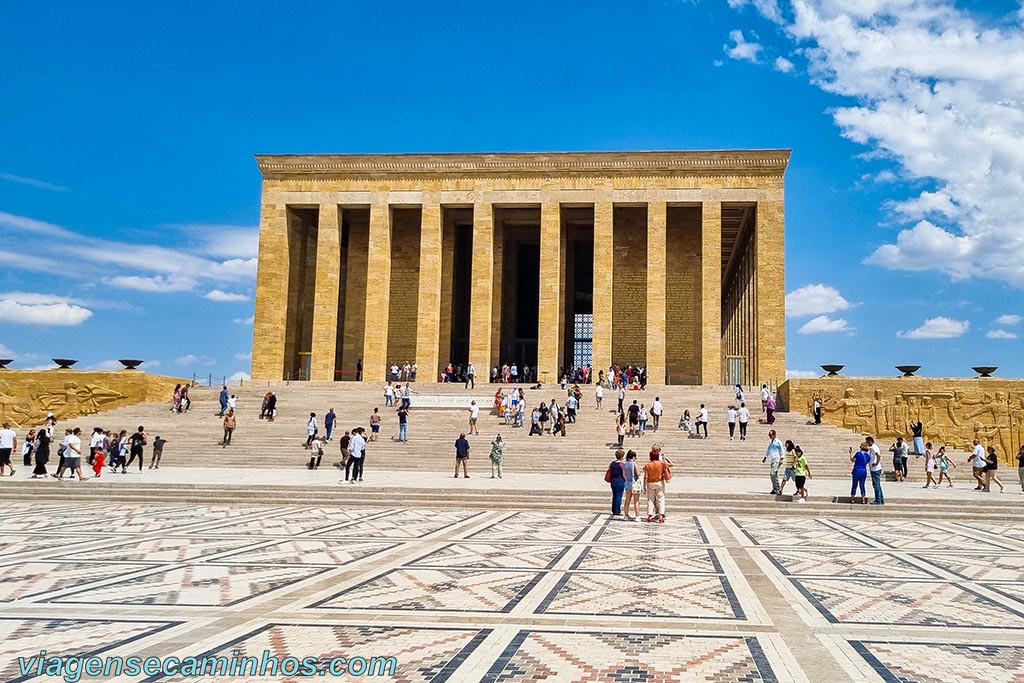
[158,450]
[97,463]
[801,473]
[944,464]
[929,467]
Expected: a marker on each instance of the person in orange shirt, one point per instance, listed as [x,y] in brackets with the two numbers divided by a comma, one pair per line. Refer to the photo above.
[654,487]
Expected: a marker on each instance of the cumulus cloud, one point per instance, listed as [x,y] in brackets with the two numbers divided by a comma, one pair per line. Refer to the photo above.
[814,300]
[1008,319]
[768,8]
[937,328]
[935,89]
[239,376]
[218,295]
[784,65]
[742,49]
[192,359]
[29,308]
[1001,334]
[32,182]
[802,374]
[823,323]
[107,365]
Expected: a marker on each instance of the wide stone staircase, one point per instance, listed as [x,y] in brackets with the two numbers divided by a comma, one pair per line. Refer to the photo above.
[440,412]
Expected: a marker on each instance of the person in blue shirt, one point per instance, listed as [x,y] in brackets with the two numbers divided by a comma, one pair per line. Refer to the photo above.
[860,459]
[329,420]
[223,401]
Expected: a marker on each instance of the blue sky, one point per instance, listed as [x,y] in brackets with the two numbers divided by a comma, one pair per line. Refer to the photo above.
[129,195]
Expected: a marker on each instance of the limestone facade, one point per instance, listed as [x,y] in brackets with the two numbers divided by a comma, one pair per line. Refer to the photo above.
[953,411]
[677,257]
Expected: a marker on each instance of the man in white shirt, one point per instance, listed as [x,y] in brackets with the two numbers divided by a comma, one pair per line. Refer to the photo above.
[356,457]
[656,410]
[743,417]
[8,442]
[514,373]
[471,376]
[72,455]
[730,417]
[598,395]
[977,461]
[773,456]
[702,419]
[765,395]
[622,396]
[876,471]
[233,403]
[311,427]
[474,413]
[95,443]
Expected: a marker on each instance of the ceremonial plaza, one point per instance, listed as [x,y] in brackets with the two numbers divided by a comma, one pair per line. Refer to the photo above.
[244,538]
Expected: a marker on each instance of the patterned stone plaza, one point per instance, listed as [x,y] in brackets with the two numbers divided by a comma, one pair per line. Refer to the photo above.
[518,596]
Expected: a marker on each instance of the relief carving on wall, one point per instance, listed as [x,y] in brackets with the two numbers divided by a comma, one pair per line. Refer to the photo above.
[953,418]
[26,404]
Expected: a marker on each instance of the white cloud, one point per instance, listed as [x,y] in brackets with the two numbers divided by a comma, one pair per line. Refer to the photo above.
[784,65]
[767,8]
[802,374]
[29,308]
[192,359]
[155,283]
[238,377]
[218,295]
[223,255]
[243,356]
[1001,334]
[934,87]
[1008,319]
[107,365]
[823,323]
[937,328]
[741,49]
[814,300]
[244,321]
[41,184]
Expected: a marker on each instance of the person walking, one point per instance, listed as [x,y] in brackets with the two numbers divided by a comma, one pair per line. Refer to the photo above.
[1020,467]
[730,417]
[655,473]
[702,419]
[801,473]
[138,440]
[622,396]
[616,476]
[930,467]
[8,442]
[497,456]
[389,395]
[899,459]
[743,417]
[329,420]
[773,456]
[343,443]
[816,409]
[789,461]
[991,468]
[357,456]
[95,444]
[598,396]
[158,451]
[656,411]
[403,424]
[375,420]
[945,463]
[770,410]
[42,453]
[73,455]
[634,486]
[876,471]
[316,453]
[28,448]
[230,422]
[462,452]
[571,403]
[860,459]
[620,428]
[978,463]
[765,395]
[311,429]
[224,395]
[471,376]
[643,419]
[474,415]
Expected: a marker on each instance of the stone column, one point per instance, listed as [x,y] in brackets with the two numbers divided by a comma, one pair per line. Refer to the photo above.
[378,289]
[480,298]
[711,293]
[429,310]
[270,320]
[657,224]
[549,318]
[325,301]
[770,290]
[604,268]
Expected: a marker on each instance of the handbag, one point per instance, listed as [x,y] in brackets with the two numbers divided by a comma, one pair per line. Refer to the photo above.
[608,474]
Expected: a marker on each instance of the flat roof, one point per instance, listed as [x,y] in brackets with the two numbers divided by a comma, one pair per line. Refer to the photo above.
[515,164]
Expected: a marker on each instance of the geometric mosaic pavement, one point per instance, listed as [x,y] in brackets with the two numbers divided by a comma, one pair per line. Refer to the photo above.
[531,596]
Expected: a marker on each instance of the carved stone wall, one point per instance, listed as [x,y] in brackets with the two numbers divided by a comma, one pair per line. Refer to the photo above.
[954,411]
[27,396]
